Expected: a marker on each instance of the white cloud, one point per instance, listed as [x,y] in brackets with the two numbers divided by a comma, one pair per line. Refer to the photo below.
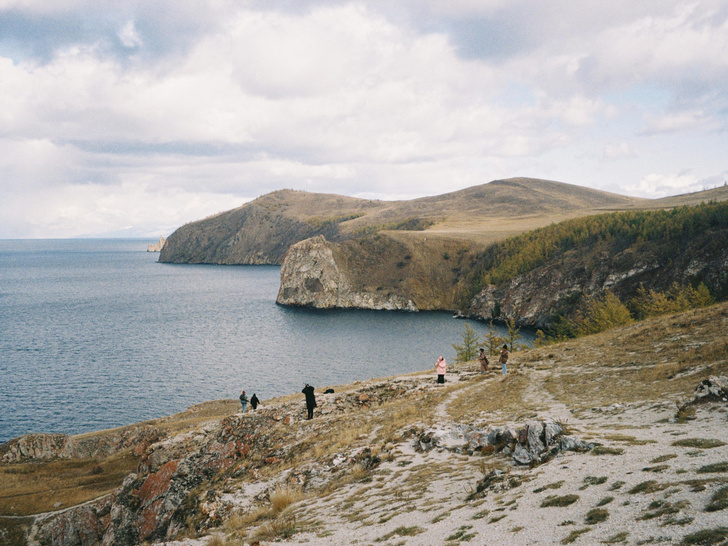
[677,121]
[659,185]
[617,150]
[129,36]
[84,209]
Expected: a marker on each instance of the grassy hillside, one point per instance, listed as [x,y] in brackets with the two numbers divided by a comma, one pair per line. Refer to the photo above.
[261,231]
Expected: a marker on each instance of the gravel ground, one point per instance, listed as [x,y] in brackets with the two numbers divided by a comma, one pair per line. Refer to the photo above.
[643,489]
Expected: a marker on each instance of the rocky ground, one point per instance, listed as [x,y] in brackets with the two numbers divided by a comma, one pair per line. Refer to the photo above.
[643,477]
[616,438]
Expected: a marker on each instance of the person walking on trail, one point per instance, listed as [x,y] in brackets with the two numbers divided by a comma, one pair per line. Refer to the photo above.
[243,400]
[310,400]
[504,358]
[483,359]
[441,368]
[254,401]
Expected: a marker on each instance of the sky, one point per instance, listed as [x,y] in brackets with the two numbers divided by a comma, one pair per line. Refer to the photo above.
[130,119]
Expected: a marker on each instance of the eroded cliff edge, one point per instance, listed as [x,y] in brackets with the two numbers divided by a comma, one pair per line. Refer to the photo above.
[385,271]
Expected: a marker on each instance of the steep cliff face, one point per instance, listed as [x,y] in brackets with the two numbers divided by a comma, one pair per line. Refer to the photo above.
[311,276]
[557,287]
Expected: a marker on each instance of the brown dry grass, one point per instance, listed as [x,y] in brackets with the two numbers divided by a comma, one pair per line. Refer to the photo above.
[495,395]
[39,487]
[31,488]
[630,364]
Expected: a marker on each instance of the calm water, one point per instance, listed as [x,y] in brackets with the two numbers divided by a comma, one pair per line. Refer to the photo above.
[96,334]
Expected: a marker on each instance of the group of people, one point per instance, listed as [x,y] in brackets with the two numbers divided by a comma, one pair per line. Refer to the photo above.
[441,365]
[484,363]
[307,391]
[440,368]
[254,402]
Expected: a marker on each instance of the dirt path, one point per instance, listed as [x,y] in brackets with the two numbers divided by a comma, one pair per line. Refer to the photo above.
[537,394]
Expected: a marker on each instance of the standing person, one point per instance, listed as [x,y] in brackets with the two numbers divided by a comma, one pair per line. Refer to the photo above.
[441,368]
[504,358]
[310,400]
[243,400]
[254,401]
[483,359]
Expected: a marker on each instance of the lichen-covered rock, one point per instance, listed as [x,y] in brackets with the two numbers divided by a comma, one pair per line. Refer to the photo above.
[713,389]
[533,443]
[41,447]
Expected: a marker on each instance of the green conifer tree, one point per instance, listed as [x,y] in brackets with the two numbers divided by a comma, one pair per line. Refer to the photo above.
[513,333]
[491,340]
[468,350]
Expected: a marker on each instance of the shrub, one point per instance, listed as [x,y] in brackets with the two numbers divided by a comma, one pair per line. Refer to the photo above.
[699,443]
[719,500]
[715,467]
[282,497]
[564,500]
[596,515]
[707,536]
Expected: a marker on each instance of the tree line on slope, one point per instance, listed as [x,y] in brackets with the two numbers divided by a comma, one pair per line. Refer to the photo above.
[594,316]
[613,232]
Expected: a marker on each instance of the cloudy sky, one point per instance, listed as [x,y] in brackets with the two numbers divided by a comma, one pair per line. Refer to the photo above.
[132,118]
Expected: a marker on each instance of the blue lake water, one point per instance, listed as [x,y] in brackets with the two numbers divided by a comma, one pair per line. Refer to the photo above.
[96,334]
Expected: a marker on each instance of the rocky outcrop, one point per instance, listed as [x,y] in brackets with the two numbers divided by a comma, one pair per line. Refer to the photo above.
[260,232]
[173,489]
[250,235]
[712,389]
[312,276]
[535,442]
[158,246]
[45,447]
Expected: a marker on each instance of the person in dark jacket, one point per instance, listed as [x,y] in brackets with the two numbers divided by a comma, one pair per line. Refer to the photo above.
[310,400]
[254,401]
[243,400]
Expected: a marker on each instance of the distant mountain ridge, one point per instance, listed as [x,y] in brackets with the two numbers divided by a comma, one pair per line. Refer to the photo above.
[261,231]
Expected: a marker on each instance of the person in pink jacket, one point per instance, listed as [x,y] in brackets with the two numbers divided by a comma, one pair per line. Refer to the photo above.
[441,368]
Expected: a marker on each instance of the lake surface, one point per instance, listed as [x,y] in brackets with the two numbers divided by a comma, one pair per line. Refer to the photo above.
[96,334]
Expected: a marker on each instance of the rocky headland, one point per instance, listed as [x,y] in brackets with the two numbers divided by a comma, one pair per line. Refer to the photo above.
[427,254]
[158,246]
[619,437]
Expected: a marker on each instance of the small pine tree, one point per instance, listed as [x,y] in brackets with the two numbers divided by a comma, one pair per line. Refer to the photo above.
[491,340]
[541,339]
[469,348]
[513,333]
[700,296]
